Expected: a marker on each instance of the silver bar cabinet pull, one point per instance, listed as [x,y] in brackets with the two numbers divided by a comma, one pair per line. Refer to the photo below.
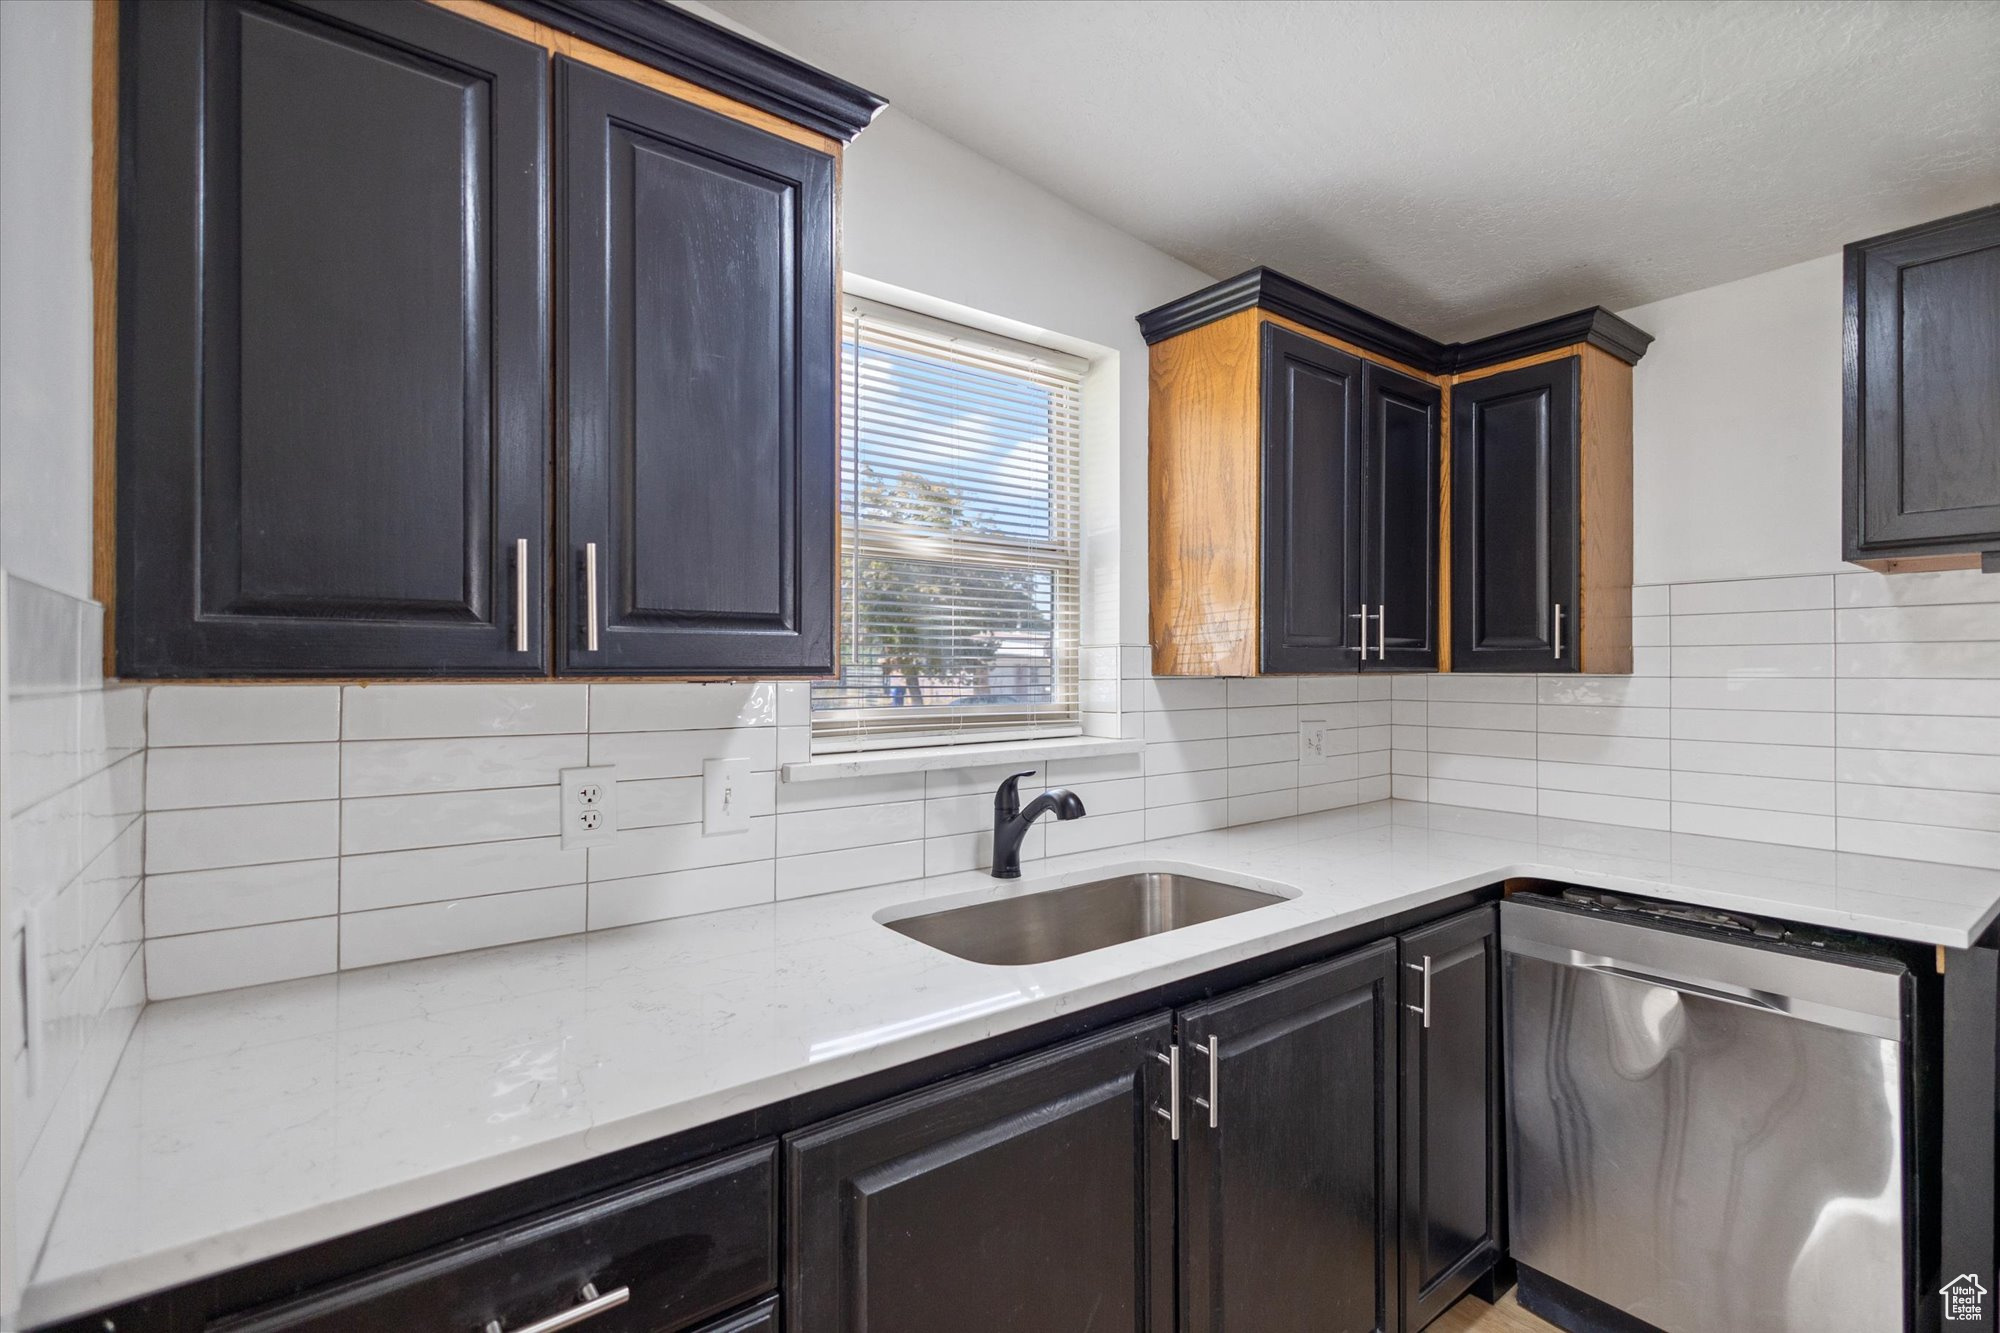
[1381,631]
[591,1306]
[1559,631]
[1424,1008]
[1213,1102]
[1172,1110]
[590,596]
[520,594]
[1362,616]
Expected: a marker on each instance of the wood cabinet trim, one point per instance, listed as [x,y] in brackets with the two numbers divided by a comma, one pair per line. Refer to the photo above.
[104,159]
[1604,516]
[558,42]
[1204,499]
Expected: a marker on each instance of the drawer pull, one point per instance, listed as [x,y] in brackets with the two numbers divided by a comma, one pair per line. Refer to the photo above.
[592,1305]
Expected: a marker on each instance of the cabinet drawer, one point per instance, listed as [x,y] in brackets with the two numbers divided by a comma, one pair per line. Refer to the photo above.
[759,1318]
[687,1246]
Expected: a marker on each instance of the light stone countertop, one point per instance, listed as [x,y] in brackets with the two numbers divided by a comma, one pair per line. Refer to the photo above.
[247,1123]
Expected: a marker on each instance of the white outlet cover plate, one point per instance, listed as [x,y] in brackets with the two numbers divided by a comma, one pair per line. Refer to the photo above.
[1312,743]
[590,791]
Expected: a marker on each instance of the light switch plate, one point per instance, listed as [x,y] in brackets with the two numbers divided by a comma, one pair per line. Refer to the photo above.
[725,796]
[589,806]
[1312,743]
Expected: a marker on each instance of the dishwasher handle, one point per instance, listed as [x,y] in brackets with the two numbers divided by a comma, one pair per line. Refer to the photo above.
[1748,1001]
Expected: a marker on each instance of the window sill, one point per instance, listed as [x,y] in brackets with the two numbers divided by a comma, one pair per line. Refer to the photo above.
[924,759]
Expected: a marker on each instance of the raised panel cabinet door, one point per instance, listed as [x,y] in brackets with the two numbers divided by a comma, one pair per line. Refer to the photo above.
[1311,478]
[1035,1197]
[1288,1198]
[332,387]
[1450,1110]
[1514,531]
[1400,484]
[696,385]
[1923,389]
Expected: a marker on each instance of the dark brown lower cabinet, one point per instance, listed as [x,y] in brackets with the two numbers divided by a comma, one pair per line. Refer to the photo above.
[1288,1173]
[1035,1197]
[1450,1111]
[682,1248]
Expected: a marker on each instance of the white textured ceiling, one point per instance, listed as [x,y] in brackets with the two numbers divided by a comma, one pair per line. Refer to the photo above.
[1460,167]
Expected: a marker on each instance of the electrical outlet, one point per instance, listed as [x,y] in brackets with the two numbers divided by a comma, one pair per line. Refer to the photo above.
[1312,742]
[725,796]
[589,806]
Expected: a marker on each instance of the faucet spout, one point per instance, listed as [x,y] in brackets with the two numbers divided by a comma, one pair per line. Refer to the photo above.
[1011,820]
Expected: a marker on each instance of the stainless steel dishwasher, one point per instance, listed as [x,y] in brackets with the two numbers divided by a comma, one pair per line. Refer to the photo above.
[1706,1119]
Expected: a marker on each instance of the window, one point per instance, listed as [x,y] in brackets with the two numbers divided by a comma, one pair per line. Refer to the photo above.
[959,548]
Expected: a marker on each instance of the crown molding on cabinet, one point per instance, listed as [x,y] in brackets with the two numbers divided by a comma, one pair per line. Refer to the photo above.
[1267,289]
[676,41]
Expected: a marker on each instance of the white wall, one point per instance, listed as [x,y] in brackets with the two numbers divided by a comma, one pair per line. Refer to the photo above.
[923,213]
[1736,430]
[45,350]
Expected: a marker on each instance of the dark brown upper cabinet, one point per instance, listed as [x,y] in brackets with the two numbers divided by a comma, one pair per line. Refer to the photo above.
[1306,515]
[332,426]
[1310,567]
[1921,425]
[335,325]
[696,388]
[1401,481]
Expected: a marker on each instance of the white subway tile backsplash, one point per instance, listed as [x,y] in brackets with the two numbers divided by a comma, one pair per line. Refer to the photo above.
[427,929]
[206,775]
[849,868]
[1185,756]
[433,874]
[1257,807]
[1467,740]
[1813,762]
[196,900]
[1969,622]
[626,902]
[1944,735]
[1753,726]
[1486,716]
[1754,627]
[1263,749]
[1183,788]
[399,712]
[1610,779]
[1588,720]
[1903,805]
[653,851]
[1717,821]
[673,706]
[1480,689]
[1955,698]
[241,714]
[1921,842]
[1481,795]
[392,768]
[1921,768]
[1795,795]
[680,754]
[1263,692]
[1769,693]
[1478,768]
[1809,592]
[1256,779]
[1797,659]
[1649,599]
[1605,808]
[250,956]
[226,836]
[1603,691]
[1255,721]
[805,831]
[438,819]
[1586,748]
[1920,661]
[1859,588]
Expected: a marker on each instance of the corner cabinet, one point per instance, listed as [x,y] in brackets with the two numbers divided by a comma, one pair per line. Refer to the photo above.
[341,322]
[1294,504]
[1308,516]
[1921,420]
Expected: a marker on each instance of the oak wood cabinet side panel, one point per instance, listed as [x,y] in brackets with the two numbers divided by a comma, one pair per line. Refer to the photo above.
[1604,515]
[1203,499]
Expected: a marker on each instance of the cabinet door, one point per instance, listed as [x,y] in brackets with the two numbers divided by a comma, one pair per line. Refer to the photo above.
[1923,389]
[333,434]
[696,388]
[1451,1110]
[1033,1198]
[1312,481]
[1399,518]
[1288,1200]
[1514,456]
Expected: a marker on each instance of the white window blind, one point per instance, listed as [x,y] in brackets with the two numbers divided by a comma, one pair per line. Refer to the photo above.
[960,453]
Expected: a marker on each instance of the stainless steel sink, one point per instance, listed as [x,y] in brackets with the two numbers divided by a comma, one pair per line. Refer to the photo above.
[1057,923]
